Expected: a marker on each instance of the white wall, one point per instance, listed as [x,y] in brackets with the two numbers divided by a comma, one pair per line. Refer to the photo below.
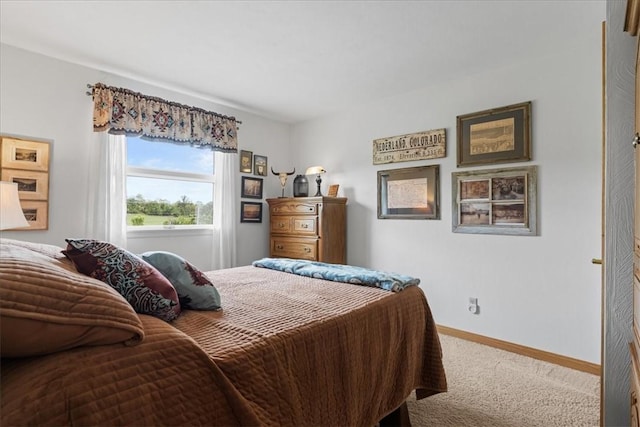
[45,98]
[541,291]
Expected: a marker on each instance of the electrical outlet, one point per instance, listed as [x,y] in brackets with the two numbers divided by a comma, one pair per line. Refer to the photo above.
[473,306]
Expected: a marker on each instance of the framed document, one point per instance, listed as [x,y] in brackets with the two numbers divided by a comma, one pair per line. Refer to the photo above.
[409,193]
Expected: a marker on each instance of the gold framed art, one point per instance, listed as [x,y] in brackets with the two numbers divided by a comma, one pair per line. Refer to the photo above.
[26,163]
[246,159]
[24,154]
[31,185]
[493,136]
[36,213]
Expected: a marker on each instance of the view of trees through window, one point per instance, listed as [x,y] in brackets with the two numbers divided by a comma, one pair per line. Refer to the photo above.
[168,184]
[162,212]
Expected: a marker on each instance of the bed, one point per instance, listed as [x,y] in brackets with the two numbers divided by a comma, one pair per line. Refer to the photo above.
[285,350]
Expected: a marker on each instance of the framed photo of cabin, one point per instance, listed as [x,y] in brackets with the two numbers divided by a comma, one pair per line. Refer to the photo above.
[24,154]
[493,136]
[251,212]
[259,165]
[409,193]
[246,159]
[31,185]
[251,188]
[495,201]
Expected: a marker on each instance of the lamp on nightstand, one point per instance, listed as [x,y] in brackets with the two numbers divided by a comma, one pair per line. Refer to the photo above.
[11,215]
[316,170]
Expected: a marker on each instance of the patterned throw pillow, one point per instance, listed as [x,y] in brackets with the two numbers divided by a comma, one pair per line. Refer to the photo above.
[144,287]
[195,291]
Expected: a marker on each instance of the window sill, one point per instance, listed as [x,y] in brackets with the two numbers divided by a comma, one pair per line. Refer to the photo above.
[160,231]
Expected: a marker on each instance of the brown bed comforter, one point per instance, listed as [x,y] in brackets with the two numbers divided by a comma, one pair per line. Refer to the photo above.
[286,350]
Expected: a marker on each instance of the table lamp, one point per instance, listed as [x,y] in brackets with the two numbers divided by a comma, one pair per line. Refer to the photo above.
[316,170]
[11,215]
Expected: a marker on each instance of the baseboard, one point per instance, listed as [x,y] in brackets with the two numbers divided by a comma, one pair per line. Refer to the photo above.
[568,362]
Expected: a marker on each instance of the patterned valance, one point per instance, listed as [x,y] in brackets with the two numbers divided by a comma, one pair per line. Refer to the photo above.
[121,111]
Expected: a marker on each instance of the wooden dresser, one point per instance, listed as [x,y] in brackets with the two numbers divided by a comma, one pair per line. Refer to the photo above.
[312,228]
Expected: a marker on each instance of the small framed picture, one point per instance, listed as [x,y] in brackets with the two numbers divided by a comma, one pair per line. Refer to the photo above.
[36,213]
[495,201]
[260,165]
[31,185]
[23,154]
[246,157]
[495,136]
[251,212]
[251,188]
[333,190]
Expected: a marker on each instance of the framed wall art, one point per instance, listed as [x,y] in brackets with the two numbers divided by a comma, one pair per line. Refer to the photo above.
[409,193]
[251,187]
[259,165]
[26,163]
[246,158]
[36,213]
[251,212]
[24,154]
[492,136]
[495,201]
[31,185]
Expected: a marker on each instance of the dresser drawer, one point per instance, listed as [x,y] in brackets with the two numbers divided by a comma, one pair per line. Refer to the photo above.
[294,248]
[301,225]
[294,207]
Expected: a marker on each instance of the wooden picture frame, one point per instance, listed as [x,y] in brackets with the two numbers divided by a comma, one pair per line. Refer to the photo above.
[333,190]
[409,193]
[495,136]
[26,163]
[495,201]
[31,185]
[24,154]
[251,212]
[251,188]
[246,161]
[36,213]
[260,165]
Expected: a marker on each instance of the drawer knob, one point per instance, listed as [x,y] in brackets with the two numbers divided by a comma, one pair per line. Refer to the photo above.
[307,250]
[281,225]
[279,247]
[305,225]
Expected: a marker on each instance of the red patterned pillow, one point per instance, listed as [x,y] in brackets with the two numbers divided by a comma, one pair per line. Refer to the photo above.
[143,286]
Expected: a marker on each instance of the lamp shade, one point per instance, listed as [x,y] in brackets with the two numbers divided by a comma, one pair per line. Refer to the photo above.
[315,170]
[11,215]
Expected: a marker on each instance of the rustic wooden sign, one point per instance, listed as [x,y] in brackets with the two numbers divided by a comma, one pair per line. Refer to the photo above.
[430,144]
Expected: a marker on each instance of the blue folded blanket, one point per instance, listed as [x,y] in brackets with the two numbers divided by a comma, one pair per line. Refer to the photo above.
[339,273]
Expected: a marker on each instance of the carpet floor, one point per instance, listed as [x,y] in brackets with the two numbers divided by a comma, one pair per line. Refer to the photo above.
[495,388]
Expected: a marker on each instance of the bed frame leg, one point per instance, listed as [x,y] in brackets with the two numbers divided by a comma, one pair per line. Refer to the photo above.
[398,418]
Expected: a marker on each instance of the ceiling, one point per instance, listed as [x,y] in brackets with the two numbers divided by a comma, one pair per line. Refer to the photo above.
[293,60]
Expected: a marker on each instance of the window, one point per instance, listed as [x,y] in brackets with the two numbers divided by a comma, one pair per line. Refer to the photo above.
[168,185]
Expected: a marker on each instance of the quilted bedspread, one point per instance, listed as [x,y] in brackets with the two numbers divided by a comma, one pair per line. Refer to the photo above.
[284,351]
[312,352]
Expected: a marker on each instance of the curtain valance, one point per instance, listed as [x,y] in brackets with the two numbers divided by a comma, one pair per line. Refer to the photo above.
[121,111]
